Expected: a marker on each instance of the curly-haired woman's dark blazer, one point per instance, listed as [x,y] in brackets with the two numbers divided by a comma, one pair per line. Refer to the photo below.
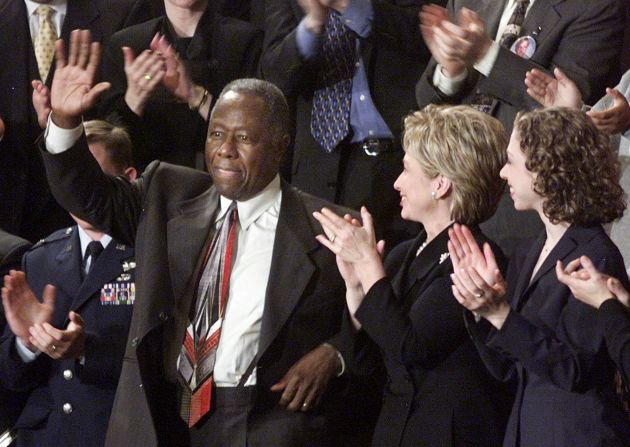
[552,343]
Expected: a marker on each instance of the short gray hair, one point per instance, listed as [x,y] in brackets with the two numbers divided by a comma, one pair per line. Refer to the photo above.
[276,106]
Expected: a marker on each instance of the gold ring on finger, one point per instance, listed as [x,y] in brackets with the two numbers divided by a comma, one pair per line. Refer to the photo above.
[53,348]
[332,238]
[478,295]
[148,77]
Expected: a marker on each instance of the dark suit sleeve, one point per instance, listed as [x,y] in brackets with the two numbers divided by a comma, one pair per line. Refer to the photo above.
[103,356]
[499,365]
[597,32]
[414,342]
[564,355]
[113,205]
[614,321]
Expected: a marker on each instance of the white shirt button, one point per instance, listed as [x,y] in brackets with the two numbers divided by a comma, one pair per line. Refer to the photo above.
[362,98]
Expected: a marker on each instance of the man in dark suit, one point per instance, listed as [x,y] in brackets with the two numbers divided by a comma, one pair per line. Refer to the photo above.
[285,297]
[66,349]
[383,54]
[469,67]
[28,207]
[166,112]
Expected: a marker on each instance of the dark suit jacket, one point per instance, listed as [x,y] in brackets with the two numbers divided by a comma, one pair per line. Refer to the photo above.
[438,391]
[582,38]
[28,208]
[394,57]
[614,321]
[552,343]
[167,214]
[88,388]
[223,49]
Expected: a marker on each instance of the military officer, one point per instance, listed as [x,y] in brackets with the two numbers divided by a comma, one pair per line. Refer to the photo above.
[69,314]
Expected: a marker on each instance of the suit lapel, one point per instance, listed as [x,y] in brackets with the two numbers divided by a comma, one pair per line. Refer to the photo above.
[541,18]
[106,268]
[525,270]
[291,266]
[491,11]
[188,233]
[565,246]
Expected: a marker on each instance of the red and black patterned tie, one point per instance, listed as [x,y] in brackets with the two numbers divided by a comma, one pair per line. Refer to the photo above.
[198,353]
[330,115]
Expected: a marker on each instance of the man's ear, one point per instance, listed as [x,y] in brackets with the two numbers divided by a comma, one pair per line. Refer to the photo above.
[131,173]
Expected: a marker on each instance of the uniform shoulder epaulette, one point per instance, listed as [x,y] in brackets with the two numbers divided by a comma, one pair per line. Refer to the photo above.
[56,236]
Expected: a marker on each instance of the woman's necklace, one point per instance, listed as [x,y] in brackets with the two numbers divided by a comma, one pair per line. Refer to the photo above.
[422,247]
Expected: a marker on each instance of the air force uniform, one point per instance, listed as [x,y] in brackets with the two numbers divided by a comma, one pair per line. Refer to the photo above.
[70,400]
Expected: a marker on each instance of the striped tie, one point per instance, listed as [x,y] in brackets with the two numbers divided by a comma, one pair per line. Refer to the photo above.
[198,353]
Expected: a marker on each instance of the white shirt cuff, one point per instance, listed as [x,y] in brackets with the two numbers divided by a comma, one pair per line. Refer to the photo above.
[448,86]
[59,140]
[486,63]
[25,354]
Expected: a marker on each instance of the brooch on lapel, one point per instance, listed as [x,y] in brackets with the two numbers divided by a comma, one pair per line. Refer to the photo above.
[128,265]
[444,257]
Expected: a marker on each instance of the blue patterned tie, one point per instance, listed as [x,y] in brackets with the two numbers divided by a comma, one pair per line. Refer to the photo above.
[330,117]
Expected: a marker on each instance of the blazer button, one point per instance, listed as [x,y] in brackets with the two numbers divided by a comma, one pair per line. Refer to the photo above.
[67,408]
[67,374]
[134,342]
[163,316]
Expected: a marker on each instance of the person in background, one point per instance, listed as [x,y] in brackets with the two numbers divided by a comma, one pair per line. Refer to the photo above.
[532,328]
[474,45]
[29,30]
[164,104]
[348,68]
[68,316]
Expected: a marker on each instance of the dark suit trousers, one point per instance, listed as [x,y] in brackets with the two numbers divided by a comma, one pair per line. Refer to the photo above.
[234,422]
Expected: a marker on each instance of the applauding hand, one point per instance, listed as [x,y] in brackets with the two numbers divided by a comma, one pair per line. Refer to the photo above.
[477,282]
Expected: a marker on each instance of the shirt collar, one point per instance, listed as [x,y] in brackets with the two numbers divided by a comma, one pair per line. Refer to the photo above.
[85,240]
[59,6]
[252,209]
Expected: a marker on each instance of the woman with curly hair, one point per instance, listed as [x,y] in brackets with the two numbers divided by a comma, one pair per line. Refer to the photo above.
[438,391]
[531,327]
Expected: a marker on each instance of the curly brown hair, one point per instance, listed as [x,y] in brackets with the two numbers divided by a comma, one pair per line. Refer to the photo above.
[576,166]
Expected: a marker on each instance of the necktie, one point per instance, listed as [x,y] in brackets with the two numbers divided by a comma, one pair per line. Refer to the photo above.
[45,40]
[330,116]
[513,28]
[198,353]
[93,250]
[482,102]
